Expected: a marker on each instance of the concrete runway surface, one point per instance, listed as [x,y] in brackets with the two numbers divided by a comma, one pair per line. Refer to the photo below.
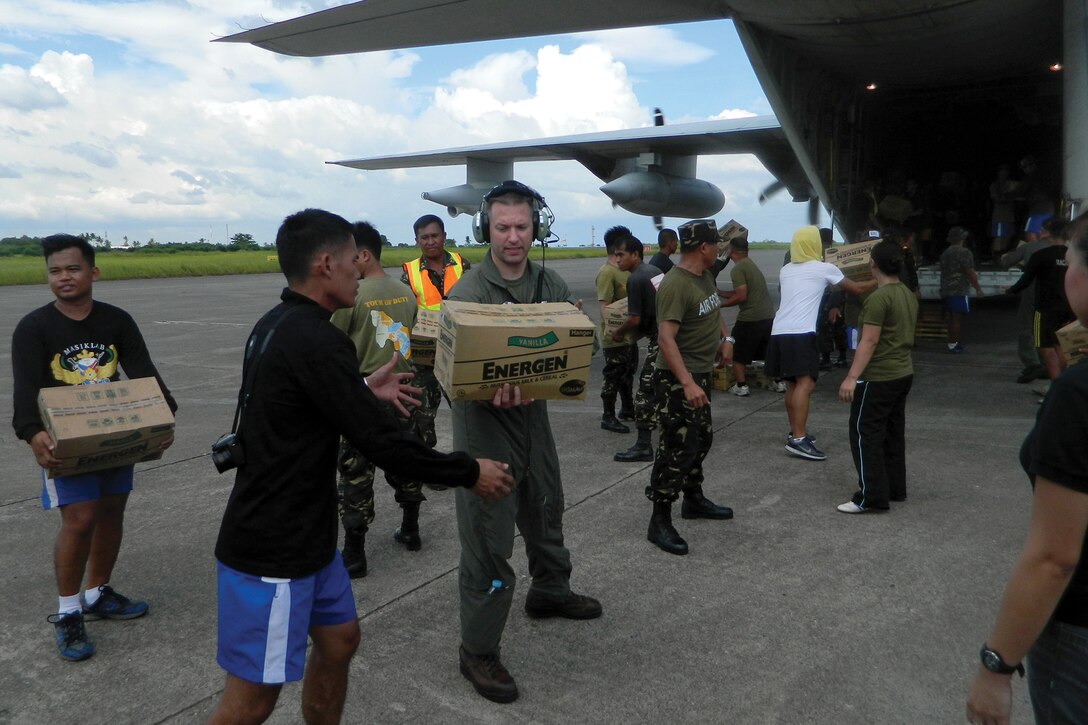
[790,613]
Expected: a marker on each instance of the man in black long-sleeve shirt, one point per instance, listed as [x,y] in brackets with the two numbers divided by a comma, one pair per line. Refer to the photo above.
[281,577]
[77,341]
[1046,269]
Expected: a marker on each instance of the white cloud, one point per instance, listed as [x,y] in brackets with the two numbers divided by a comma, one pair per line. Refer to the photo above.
[733,113]
[23,92]
[649,47]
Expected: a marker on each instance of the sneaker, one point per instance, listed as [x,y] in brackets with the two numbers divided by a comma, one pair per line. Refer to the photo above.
[112,605]
[72,642]
[1030,373]
[803,448]
[851,508]
[956,349]
[741,391]
[808,436]
[1041,389]
[488,676]
[778,386]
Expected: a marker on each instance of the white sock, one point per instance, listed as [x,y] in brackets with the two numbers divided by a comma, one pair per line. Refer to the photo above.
[69,604]
[952,345]
[91,595]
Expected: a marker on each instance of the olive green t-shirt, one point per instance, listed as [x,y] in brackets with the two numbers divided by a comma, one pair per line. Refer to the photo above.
[611,286]
[895,309]
[380,323]
[758,305]
[694,303]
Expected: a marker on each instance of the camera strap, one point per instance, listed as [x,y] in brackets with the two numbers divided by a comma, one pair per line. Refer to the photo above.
[251,363]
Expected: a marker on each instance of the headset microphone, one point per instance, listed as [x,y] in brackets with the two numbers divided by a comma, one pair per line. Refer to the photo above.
[541,213]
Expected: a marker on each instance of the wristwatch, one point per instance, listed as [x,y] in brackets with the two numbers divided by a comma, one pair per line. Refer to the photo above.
[992,661]
[730,339]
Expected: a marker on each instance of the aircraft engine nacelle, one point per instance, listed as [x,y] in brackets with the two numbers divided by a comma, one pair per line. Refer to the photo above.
[462,199]
[652,193]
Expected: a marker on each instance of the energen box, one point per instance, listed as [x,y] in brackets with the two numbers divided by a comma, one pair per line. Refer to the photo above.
[1073,337]
[853,259]
[105,425]
[615,314]
[544,348]
[425,338]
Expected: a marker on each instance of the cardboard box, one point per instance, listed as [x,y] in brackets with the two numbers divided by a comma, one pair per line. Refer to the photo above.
[852,259]
[615,315]
[425,338]
[732,230]
[1073,337]
[722,378]
[105,425]
[544,348]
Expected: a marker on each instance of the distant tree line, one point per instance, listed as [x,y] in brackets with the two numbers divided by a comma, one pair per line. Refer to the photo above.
[24,245]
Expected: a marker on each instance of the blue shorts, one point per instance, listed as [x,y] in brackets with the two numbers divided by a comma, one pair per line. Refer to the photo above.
[264,621]
[63,490]
[958,303]
[853,337]
[1035,223]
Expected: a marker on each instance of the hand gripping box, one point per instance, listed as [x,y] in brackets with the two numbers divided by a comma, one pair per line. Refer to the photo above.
[425,338]
[1073,337]
[853,259]
[105,425]
[544,348]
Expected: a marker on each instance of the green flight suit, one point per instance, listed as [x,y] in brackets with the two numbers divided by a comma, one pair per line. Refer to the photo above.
[523,438]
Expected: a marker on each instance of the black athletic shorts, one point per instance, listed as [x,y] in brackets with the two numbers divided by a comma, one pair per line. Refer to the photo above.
[793,356]
[751,340]
[1045,325]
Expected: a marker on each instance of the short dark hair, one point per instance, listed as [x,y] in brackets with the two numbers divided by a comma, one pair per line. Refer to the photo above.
[740,244]
[629,244]
[888,257]
[827,238]
[1056,227]
[303,234]
[57,242]
[425,221]
[613,235]
[666,235]
[368,238]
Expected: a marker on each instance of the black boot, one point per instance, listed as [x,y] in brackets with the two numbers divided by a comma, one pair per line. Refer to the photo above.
[608,419]
[355,552]
[661,532]
[627,406]
[698,506]
[408,533]
[641,451]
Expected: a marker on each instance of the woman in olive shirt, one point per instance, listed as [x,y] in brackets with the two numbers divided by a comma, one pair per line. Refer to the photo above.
[877,386]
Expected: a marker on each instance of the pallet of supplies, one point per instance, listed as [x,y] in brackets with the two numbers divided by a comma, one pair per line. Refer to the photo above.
[543,348]
[105,425]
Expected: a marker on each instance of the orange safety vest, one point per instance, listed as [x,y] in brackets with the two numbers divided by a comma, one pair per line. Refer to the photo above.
[427,295]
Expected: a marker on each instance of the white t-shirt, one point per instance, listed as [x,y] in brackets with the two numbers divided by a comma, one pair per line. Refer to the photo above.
[802,287]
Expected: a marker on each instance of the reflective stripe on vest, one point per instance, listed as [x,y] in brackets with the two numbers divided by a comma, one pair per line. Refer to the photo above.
[427,295]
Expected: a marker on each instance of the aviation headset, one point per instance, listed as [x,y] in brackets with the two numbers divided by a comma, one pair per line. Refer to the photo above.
[541,212]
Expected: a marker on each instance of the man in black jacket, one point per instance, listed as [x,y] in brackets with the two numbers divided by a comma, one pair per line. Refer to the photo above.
[280,576]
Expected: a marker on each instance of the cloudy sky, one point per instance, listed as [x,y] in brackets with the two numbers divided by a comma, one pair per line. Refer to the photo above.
[123,119]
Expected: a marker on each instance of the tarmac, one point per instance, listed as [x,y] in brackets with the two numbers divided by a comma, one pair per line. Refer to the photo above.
[789,613]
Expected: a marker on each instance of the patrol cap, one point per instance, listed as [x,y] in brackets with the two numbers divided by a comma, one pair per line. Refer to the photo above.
[695,233]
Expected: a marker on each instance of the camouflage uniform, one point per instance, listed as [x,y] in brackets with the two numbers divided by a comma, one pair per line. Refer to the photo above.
[686,436]
[620,364]
[356,482]
[423,415]
[646,394]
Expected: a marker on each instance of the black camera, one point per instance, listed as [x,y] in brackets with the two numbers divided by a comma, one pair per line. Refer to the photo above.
[227,453]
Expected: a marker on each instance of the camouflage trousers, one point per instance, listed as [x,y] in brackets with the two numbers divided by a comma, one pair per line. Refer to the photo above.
[356,483]
[645,393]
[686,436]
[620,364]
[423,414]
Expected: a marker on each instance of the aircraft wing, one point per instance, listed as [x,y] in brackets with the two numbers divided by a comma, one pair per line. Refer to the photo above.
[394,24]
[599,152]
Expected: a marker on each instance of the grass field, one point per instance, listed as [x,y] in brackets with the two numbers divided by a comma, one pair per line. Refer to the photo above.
[146,265]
